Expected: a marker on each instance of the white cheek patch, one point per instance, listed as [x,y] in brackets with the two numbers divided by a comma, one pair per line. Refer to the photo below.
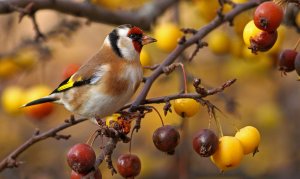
[122,32]
[127,49]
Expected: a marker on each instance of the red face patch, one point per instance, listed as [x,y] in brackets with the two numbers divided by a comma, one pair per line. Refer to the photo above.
[135,30]
[137,46]
[136,35]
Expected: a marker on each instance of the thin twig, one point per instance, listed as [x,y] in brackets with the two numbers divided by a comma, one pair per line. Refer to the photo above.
[143,17]
[11,162]
[163,99]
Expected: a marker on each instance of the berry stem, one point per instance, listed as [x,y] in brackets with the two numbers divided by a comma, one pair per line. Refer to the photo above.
[131,137]
[218,123]
[209,123]
[297,44]
[184,77]
[92,138]
[162,122]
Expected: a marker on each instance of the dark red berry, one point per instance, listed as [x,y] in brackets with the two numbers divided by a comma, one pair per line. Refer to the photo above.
[268,16]
[263,41]
[205,142]
[286,60]
[81,158]
[166,138]
[74,175]
[297,64]
[129,165]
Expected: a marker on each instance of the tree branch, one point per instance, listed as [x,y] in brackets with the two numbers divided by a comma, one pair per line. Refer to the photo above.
[205,93]
[199,35]
[10,161]
[142,17]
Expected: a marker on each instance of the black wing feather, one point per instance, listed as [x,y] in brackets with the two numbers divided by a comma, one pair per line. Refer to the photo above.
[76,84]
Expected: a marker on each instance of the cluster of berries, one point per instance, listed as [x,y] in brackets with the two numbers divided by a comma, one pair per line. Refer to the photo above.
[260,34]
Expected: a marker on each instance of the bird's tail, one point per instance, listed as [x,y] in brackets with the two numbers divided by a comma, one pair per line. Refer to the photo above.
[40,101]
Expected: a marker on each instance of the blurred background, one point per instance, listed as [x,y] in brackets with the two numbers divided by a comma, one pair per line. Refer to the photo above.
[262,96]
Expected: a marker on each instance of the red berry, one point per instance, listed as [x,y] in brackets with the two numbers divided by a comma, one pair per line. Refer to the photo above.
[263,41]
[129,165]
[70,70]
[286,60]
[166,138]
[205,142]
[81,158]
[268,16]
[297,64]
[74,175]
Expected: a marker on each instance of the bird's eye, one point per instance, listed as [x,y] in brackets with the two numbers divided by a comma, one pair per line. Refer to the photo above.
[131,36]
[135,36]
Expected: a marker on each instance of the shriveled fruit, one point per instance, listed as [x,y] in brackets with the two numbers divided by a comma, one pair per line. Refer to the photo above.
[205,142]
[75,175]
[81,158]
[186,107]
[258,40]
[129,165]
[263,42]
[166,138]
[286,60]
[297,64]
[268,16]
[249,137]
[111,120]
[229,153]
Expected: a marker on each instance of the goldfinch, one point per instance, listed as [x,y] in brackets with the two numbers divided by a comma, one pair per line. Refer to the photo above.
[107,81]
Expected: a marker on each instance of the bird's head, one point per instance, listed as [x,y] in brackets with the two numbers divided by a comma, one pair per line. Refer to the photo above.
[127,41]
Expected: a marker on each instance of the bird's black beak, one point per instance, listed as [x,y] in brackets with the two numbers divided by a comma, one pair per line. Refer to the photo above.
[147,40]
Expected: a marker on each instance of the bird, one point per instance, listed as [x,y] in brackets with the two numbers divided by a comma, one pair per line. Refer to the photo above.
[108,80]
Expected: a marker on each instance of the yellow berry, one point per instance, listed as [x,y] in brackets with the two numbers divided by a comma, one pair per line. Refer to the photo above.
[186,107]
[249,137]
[207,8]
[278,44]
[12,99]
[229,153]
[218,42]
[7,67]
[249,32]
[26,58]
[145,58]
[236,46]
[167,35]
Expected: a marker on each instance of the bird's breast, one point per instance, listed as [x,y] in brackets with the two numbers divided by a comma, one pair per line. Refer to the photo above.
[123,80]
